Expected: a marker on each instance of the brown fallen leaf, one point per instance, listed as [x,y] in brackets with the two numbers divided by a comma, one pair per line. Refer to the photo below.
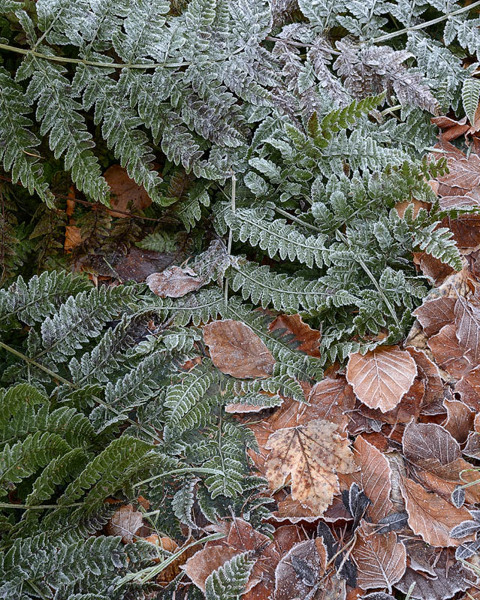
[430,516]
[469,388]
[174,282]
[236,350]
[307,340]
[432,402]
[203,563]
[380,558]
[331,400]
[381,377]
[299,571]
[436,313]
[374,478]
[126,521]
[433,268]
[311,455]
[409,406]
[446,578]
[125,192]
[459,419]
[448,354]
[429,441]
[467,321]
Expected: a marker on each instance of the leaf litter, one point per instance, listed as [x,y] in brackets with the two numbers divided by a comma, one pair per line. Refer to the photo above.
[374,474]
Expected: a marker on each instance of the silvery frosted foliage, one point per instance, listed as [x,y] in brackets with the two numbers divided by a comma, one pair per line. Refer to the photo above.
[215,71]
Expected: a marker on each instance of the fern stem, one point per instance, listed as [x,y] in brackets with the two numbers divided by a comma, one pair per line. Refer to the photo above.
[61,379]
[30,361]
[389,36]
[182,471]
[38,506]
[284,213]
[373,280]
[230,232]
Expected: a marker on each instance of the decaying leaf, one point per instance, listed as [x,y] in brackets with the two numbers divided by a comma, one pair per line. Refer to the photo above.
[381,377]
[236,350]
[207,560]
[436,313]
[174,282]
[299,571]
[381,560]
[459,419]
[374,478]
[306,339]
[311,455]
[330,400]
[126,194]
[126,521]
[467,321]
[430,516]
[445,577]
[448,353]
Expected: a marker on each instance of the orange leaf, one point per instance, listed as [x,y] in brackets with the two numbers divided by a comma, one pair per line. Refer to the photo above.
[308,339]
[430,516]
[381,377]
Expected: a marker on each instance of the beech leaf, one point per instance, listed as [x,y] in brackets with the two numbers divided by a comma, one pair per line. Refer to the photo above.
[312,455]
[430,516]
[381,560]
[236,350]
[381,377]
[174,282]
[126,521]
[305,338]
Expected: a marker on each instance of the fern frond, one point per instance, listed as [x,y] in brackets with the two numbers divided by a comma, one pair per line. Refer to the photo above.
[228,582]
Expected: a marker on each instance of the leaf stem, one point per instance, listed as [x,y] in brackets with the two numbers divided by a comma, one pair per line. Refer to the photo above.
[389,36]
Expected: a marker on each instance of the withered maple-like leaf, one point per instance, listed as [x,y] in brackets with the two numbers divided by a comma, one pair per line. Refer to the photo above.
[380,558]
[434,314]
[174,282]
[306,339]
[381,377]
[236,350]
[126,521]
[467,321]
[459,419]
[374,478]
[311,455]
[430,516]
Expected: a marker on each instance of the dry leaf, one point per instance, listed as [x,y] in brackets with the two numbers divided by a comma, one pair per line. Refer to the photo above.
[428,371]
[207,560]
[236,350]
[433,268]
[311,455]
[449,578]
[381,560]
[298,572]
[447,352]
[307,340]
[125,192]
[174,282]
[469,388]
[459,419]
[126,521]
[430,516]
[382,376]
[331,400]
[429,441]
[434,314]
[374,478]
[467,321]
